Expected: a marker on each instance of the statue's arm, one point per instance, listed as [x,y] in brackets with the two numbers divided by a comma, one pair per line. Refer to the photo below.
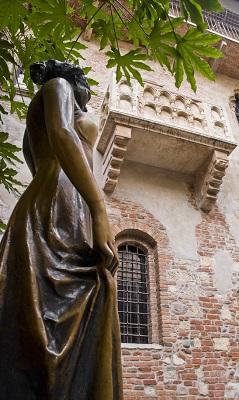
[27,153]
[58,102]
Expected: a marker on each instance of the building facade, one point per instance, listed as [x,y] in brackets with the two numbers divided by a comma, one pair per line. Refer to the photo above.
[167,163]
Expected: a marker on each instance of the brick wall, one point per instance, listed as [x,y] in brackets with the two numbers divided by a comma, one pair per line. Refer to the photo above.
[194,353]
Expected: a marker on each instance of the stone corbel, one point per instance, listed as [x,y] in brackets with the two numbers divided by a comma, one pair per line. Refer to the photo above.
[208,180]
[114,157]
[87,33]
[214,63]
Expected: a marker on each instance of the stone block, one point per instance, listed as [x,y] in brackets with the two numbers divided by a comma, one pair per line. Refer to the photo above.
[221,344]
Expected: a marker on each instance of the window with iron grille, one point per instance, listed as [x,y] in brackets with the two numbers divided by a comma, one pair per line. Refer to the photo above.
[133,297]
[237,106]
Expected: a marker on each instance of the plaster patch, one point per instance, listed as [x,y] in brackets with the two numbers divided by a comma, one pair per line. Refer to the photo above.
[228,198]
[164,194]
[236,267]
[223,271]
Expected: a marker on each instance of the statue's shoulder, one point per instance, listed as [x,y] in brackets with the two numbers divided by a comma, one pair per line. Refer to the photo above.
[56,84]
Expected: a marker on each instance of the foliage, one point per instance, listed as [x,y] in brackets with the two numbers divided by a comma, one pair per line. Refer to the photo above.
[8,156]
[7,175]
[42,30]
[147,24]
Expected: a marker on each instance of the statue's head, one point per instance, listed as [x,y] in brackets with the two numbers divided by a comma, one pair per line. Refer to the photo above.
[43,71]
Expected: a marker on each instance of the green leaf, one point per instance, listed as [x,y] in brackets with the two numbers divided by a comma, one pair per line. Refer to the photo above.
[205,50]
[194,35]
[212,5]
[178,71]
[183,9]
[108,31]
[92,82]
[87,70]
[137,33]
[7,178]
[201,65]
[12,12]
[3,136]
[2,110]
[8,150]
[26,51]
[52,14]
[195,12]
[2,227]
[90,11]
[4,44]
[161,34]
[193,45]
[128,62]
[189,73]
[152,10]
[4,70]
[168,26]
[6,56]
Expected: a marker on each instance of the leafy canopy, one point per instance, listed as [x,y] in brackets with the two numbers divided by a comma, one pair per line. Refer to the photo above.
[46,29]
[42,30]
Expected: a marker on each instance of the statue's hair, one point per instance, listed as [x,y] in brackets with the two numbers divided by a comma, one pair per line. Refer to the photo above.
[43,71]
[53,69]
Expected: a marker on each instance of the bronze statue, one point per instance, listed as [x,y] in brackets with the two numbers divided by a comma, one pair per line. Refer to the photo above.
[59,330]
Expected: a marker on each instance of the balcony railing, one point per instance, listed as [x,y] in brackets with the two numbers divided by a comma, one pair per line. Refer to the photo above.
[224,23]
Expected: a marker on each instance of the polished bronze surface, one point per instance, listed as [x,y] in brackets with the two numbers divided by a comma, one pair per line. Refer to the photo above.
[59,329]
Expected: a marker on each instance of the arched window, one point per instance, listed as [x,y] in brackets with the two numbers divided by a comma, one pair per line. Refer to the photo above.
[237,106]
[133,297]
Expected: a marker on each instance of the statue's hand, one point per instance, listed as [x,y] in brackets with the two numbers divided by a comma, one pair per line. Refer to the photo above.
[103,241]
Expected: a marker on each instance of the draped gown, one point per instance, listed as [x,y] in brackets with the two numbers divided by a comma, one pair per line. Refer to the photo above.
[59,330]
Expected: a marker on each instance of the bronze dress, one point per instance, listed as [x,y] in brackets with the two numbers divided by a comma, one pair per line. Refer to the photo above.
[59,332]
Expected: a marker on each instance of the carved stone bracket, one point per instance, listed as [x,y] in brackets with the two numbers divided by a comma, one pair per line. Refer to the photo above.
[114,156]
[87,33]
[214,63]
[208,180]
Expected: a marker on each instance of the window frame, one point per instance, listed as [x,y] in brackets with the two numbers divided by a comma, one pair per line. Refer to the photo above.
[133,294]
[149,245]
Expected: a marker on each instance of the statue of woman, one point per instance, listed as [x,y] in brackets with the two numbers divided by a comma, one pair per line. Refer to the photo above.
[59,330]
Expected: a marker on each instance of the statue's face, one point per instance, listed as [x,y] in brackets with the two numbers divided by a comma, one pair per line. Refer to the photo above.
[81,91]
